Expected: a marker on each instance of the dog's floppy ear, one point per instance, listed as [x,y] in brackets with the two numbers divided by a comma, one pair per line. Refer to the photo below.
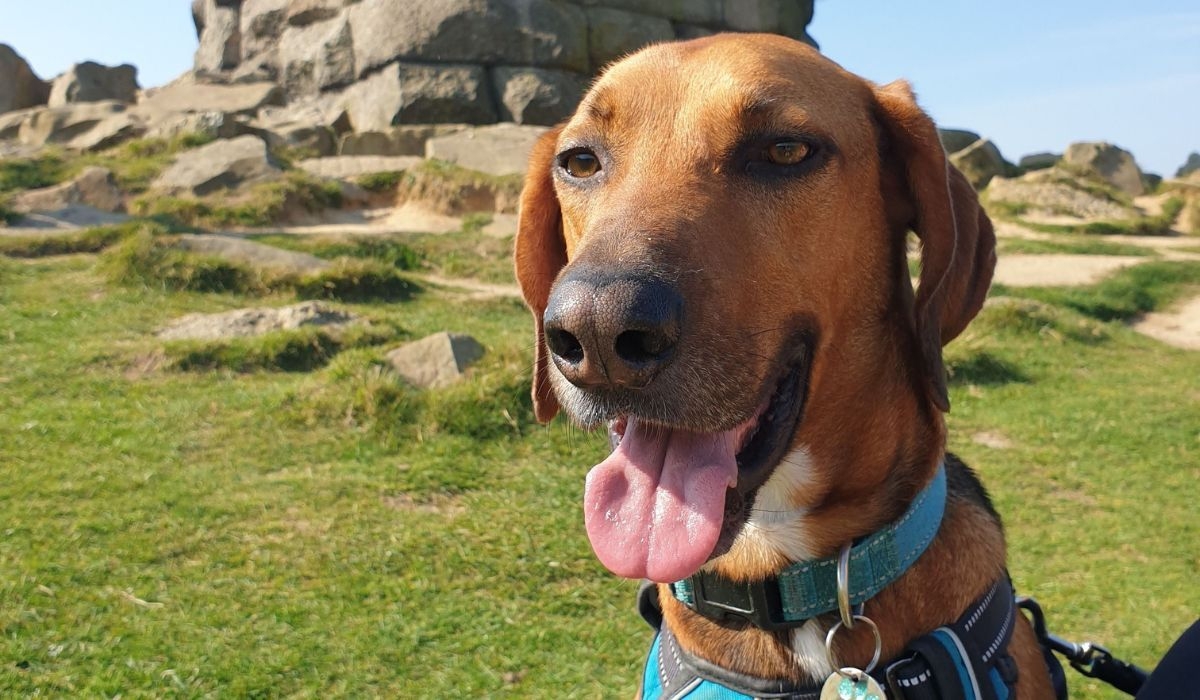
[540,252]
[958,246]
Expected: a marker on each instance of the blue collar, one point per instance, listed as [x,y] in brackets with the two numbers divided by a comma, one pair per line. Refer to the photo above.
[809,588]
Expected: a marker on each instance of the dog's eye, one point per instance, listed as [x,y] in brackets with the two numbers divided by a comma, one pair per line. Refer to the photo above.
[788,152]
[580,164]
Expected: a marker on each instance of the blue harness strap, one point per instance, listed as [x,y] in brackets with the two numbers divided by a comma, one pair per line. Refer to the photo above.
[966,660]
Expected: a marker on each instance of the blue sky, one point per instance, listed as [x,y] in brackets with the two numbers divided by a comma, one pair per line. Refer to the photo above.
[1033,75]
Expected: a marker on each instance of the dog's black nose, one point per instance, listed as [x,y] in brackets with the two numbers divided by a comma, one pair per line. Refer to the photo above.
[612,331]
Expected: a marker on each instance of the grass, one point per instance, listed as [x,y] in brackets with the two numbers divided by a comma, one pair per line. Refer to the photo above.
[301,350]
[336,533]
[92,240]
[386,181]
[134,163]
[1074,246]
[146,260]
[261,205]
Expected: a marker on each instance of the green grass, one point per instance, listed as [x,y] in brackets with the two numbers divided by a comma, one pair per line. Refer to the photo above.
[261,205]
[1075,246]
[49,168]
[1125,295]
[92,240]
[386,181]
[301,350]
[335,533]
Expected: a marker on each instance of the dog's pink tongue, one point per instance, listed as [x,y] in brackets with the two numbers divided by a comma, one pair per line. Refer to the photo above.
[654,507]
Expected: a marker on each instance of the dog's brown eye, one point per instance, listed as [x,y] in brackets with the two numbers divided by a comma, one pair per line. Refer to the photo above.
[581,164]
[788,152]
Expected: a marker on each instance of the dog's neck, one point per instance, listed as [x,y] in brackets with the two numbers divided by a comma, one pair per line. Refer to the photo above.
[867,470]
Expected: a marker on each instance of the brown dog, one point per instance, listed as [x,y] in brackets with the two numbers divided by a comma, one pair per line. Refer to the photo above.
[714,251]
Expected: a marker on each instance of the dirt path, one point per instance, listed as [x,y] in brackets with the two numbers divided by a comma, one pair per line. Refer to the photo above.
[1178,326]
[472,289]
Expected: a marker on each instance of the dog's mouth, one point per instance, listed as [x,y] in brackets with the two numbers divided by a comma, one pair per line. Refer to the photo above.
[667,500]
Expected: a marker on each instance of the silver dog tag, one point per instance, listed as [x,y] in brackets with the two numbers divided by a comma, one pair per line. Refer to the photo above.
[851,684]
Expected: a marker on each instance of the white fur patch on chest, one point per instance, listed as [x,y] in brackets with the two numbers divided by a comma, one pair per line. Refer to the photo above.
[808,646]
[776,524]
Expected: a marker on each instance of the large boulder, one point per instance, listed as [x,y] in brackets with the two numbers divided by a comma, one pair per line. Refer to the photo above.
[64,124]
[522,60]
[317,56]
[19,86]
[1191,165]
[223,164]
[94,187]
[498,149]
[92,82]
[1106,162]
[954,140]
[415,93]
[109,132]
[980,162]
[218,24]
[484,32]
[1039,161]
[615,33]
[186,95]
[537,95]
[1057,192]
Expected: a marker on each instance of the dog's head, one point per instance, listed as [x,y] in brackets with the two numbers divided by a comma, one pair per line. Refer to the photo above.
[714,251]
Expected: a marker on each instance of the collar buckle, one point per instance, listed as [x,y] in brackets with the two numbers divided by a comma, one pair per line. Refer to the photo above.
[758,603]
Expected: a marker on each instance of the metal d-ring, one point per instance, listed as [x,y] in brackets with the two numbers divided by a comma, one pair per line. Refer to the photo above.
[874,630]
[843,588]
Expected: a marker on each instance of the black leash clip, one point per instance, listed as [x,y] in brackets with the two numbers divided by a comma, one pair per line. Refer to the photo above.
[1090,659]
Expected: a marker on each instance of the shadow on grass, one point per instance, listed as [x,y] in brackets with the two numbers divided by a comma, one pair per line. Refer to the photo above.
[985,369]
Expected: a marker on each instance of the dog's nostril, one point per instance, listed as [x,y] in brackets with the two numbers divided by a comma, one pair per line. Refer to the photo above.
[639,347]
[564,345]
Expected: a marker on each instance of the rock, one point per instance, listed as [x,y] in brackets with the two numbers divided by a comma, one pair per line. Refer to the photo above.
[217,125]
[1058,192]
[258,255]
[1191,165]
[615,33]
[954,140]
[327,48]
[403,140]
[537,95]
[94,187]
[351,167]
[419,94]
[1106,162]
[219,165]
[499,149]
[301,13]
[980,162]
[317,56]
[244,323]
[316,141]
[92,82]
[191,96]
[219,25]
[109,132]
[10,122]
[261,25]
[65,124]
[70,218]
[483,32]
[1039,161]
[437,360]
[20,87]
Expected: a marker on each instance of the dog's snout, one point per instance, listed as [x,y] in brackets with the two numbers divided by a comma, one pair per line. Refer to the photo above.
[612,331]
